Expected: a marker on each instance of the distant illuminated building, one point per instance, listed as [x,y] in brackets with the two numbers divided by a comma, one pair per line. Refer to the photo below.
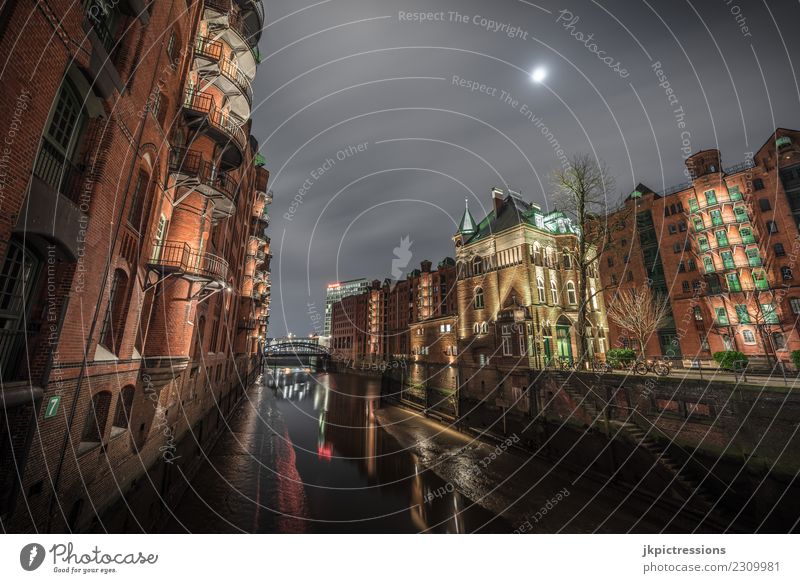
[337,291]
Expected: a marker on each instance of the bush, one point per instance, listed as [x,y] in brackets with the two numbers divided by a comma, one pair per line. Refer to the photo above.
[730,359]
[620,356]
[796,358]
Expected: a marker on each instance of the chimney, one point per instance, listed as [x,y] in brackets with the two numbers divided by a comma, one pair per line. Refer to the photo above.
[426,266]
[498,194]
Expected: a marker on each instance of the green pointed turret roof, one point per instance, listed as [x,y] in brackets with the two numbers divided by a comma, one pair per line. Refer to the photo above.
[467,226]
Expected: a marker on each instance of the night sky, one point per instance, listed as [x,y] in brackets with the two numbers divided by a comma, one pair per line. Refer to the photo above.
[378,118]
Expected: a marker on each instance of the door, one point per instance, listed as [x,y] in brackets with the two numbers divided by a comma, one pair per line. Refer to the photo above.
[564,343]
[548,351]
[160,235]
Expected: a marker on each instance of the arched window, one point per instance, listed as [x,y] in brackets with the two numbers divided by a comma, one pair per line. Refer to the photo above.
[540,289]
[567,260]
[116,313]
[537,253]
[593,292]
[484,328]
[477,266]
[553,291]
[572,297]
[477,328]
[551,257]
[96,418]
[122,417]
[478,298]
[137,200]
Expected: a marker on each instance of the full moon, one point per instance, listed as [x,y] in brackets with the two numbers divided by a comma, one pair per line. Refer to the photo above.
[538,75]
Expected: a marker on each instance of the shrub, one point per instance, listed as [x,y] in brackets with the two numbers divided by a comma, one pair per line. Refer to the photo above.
[730,359]
[620,356]
[796,358]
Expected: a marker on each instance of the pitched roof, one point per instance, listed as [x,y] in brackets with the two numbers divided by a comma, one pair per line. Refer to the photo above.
[467,224]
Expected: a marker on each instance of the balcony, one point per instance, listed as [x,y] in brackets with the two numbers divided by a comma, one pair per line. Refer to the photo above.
[193,171]
[174,257]
[220,126]
[245,21]
[225,74]
[259,224]
[158,371]
[262,177]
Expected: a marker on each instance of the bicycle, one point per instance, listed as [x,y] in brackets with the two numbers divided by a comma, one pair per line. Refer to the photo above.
[658,367]
[601,366]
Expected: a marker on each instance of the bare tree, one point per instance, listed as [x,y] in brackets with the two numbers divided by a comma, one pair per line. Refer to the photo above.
[582,190]
[640,312]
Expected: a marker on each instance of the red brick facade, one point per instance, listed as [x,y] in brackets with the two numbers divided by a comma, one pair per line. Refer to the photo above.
[723,247]
[135,263]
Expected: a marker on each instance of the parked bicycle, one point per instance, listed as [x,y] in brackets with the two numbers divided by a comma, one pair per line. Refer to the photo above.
[659,367]
[601,366]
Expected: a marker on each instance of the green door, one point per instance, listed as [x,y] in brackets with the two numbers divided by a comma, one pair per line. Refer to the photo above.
[548,353]
[563,343]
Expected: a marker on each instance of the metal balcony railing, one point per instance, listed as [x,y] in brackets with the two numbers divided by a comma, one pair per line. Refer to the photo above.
[213,50]
[235,19]
[180,257]
[192,163]
[202,103]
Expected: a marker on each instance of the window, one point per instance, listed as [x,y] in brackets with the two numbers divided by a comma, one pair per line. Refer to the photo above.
[770,315]
[666,211]
[698,224]
[522,350]
[702,243]
[685,286]
[779,250]
[708,264]
[772,227]
[567,260]
[733,283]
[795,304]
[753,257]
[613,279]
[677,247]
[691,265]
[477,328]
[734,193]
[477,266]
[54,164]
[540,289]
[722,238]
[629,276]
[711,197]
[764,204]
[173,57]
[698,313]
[760,279]
[727,260]
[625,259]
[741,214]
[681,267]
[610,261]
[742,315]
[697,286]
[778,341]
[137,200]
[786,273]
[672,229]
[116,313]
[680,206]
[746,233]
[716,218]
[722,316]
[748,336]
[478,298]
[693,206]
[758,184]
[593,293]
[506,343]
[572,297]
[122,418]
[682,226]
[537,254]
[95,427]
[484,328]
[553,291]
[726,342]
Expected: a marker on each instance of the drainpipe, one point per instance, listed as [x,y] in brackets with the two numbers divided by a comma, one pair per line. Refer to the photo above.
[106,269]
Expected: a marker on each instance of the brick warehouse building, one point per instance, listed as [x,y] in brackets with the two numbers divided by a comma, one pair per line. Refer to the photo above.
[517,287]
[724,248]
[135,264]
[375,326]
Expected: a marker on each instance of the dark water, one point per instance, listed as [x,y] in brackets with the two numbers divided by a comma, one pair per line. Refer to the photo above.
[306,454]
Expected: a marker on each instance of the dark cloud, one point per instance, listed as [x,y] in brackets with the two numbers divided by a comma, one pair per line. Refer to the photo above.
[344,72]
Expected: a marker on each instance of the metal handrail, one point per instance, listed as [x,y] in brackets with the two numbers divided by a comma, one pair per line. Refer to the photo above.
[204,104]
[181,256]
[193,163]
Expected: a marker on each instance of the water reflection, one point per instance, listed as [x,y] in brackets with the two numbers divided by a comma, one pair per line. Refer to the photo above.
[328,467]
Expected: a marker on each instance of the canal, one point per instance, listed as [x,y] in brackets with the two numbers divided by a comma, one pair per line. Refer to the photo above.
[305,453]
